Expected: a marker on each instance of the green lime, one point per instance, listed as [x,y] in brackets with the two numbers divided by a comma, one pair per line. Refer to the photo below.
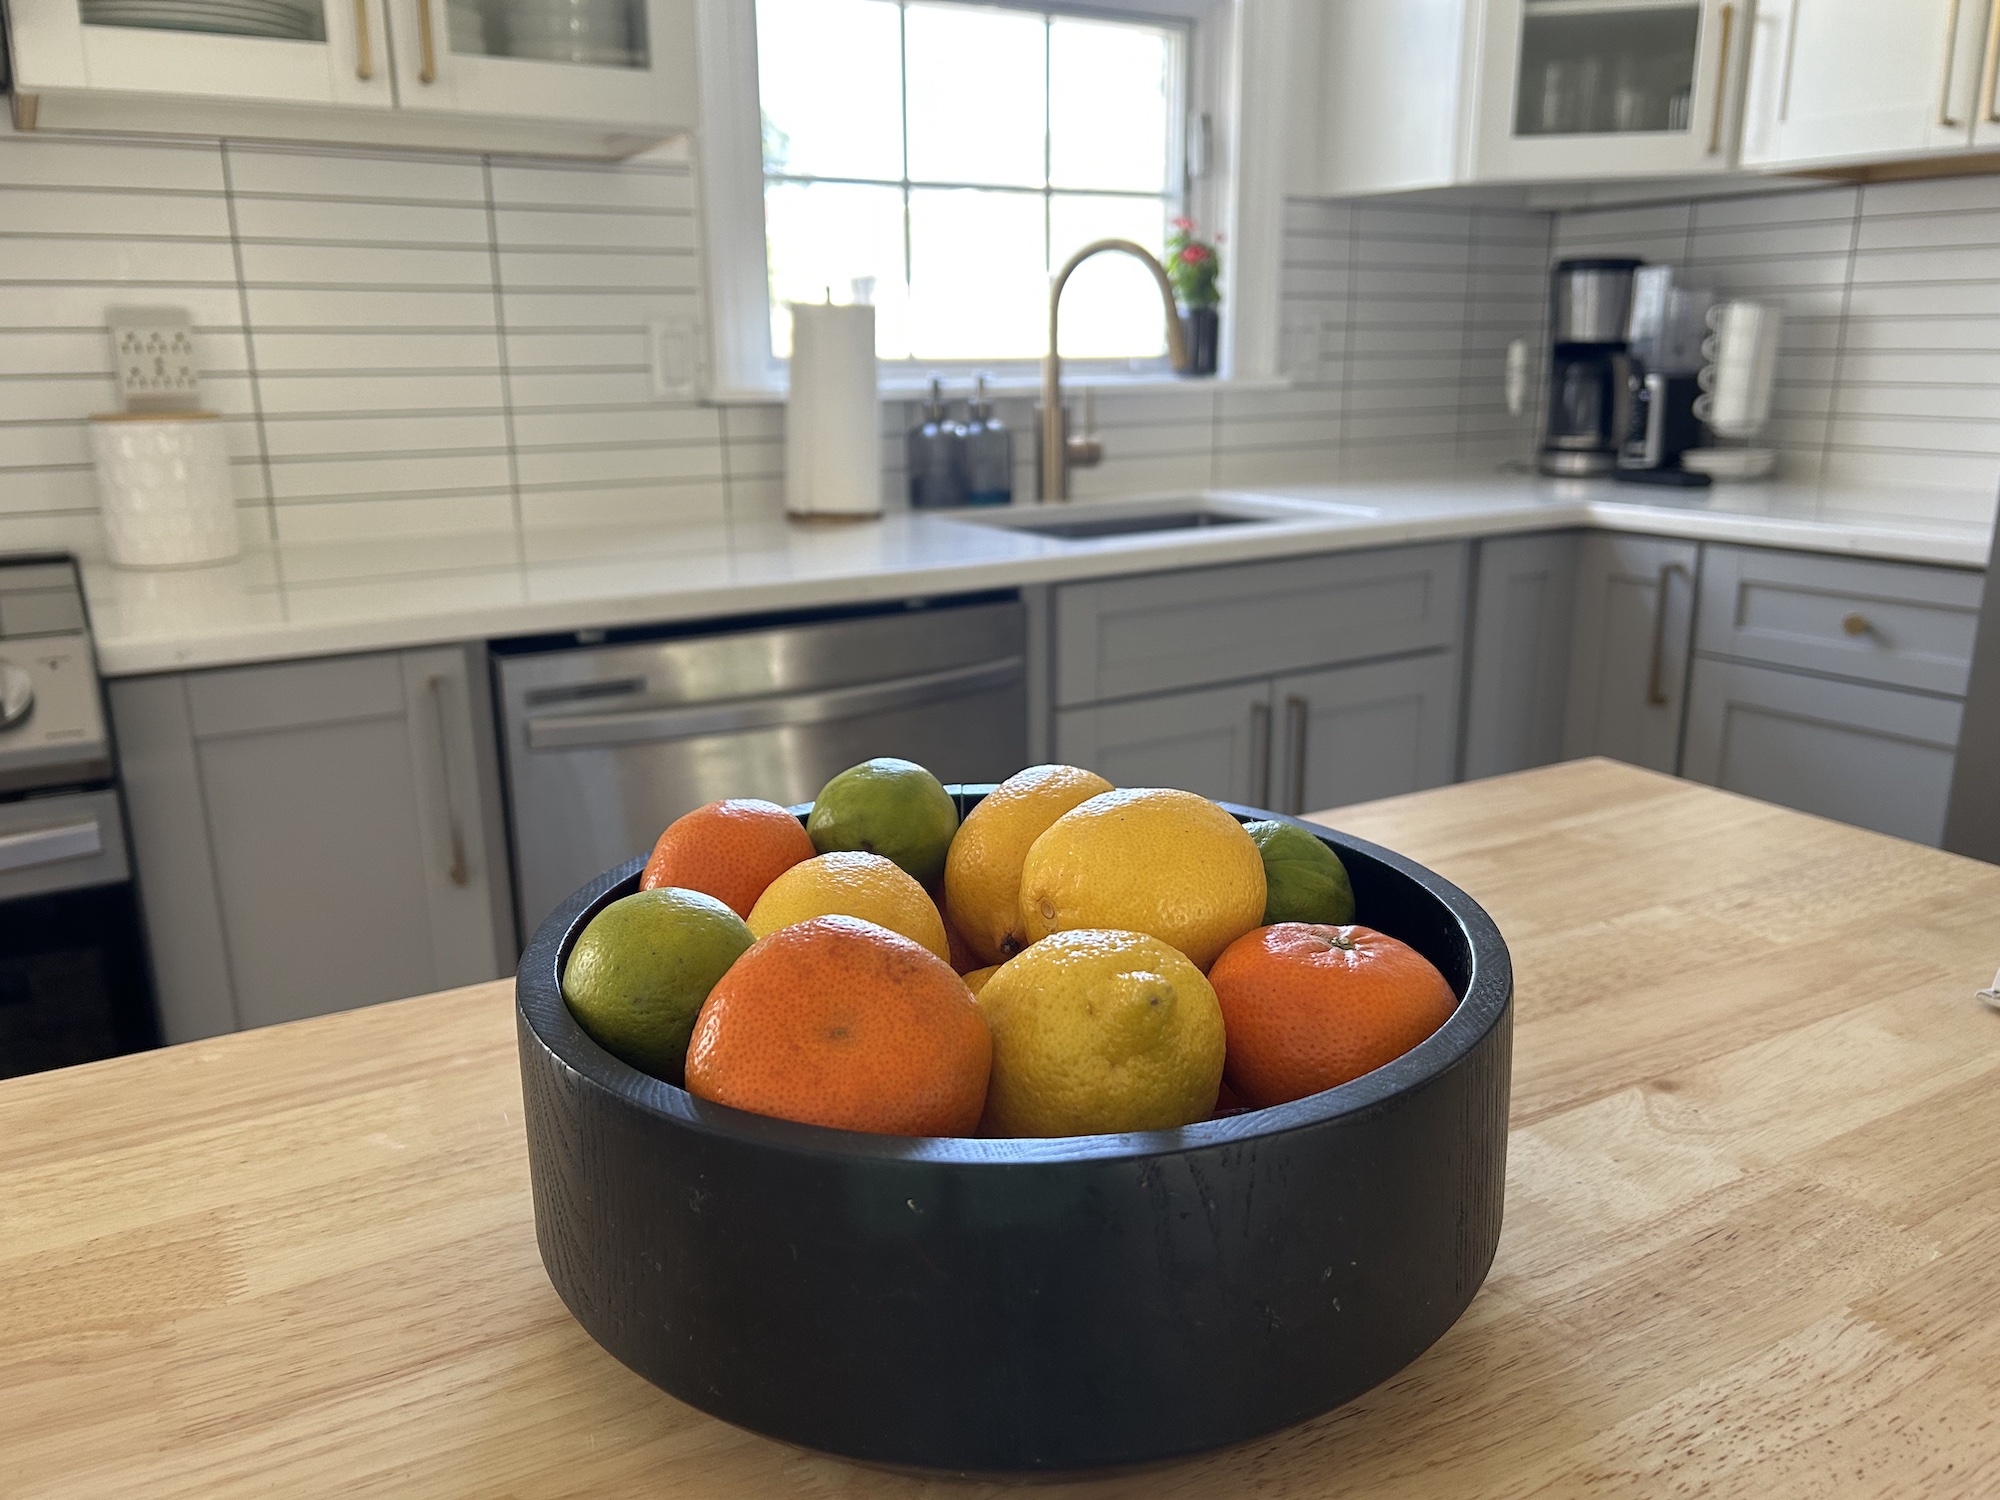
[894,808]
[640,971]
[1304,881]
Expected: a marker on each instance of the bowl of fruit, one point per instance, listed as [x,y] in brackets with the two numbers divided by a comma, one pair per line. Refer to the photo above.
[1034,1128]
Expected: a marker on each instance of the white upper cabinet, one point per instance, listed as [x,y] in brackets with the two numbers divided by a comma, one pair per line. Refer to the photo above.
[1853,81]
[1608,88]
[1436,93]
[579,77]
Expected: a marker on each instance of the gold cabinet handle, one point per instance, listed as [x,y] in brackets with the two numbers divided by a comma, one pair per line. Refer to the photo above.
[426,44]
[364,49]
[1260,751]
[1857,624]
[1298,714]
[1989,76]
[1721,80]
[1950,66]
[1656,686]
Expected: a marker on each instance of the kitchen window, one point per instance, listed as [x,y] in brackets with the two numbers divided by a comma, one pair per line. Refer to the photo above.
[942,159]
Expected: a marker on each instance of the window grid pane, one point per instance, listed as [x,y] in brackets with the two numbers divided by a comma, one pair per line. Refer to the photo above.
[961,283]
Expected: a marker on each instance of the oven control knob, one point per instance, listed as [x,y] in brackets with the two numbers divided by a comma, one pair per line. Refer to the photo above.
[17,694]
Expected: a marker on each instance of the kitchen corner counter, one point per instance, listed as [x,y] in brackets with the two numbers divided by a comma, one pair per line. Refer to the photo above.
[1747,1251]
[325,598]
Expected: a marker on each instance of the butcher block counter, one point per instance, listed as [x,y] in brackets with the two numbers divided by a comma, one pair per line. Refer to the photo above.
[1752,1240]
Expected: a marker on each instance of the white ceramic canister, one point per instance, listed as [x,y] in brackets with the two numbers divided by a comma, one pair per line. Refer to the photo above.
[163,485]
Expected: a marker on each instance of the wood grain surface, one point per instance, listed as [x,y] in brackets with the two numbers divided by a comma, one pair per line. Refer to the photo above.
[1752,1244]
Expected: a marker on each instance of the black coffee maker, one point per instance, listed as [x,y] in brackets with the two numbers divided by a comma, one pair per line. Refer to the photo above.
[1591,384]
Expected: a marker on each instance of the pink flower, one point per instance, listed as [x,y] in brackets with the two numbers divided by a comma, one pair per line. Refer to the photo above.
[1186,226]
[1193,255]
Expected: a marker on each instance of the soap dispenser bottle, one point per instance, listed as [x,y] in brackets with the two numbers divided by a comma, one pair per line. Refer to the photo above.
[936,455]
[989,453]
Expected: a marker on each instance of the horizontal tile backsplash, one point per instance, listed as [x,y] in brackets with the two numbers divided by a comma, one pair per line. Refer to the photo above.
[1889,371]
[413,343]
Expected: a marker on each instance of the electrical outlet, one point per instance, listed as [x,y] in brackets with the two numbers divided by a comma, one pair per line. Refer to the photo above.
[154,349]
[673,358]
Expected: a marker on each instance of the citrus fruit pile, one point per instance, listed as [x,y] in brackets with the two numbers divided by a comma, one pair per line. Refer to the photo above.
[1072,958]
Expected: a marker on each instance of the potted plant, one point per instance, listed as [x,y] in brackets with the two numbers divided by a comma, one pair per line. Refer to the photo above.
[1192,267]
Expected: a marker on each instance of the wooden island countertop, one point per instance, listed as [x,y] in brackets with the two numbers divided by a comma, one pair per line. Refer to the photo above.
[1752,1242]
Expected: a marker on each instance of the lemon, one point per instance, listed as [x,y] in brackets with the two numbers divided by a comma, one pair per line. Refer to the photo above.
[1149,860]
[982,873]
[639,972]
[1304,880]
[851,884]
[1097,1032]
[890,807]
[976,980]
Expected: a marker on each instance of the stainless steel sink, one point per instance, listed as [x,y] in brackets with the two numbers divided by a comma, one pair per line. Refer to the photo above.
[1190,519]
[1096,519]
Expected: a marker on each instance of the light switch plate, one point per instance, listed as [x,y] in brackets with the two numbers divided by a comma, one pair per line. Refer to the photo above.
[154,351]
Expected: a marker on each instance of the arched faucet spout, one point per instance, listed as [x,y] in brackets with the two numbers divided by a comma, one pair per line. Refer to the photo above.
[1060,451]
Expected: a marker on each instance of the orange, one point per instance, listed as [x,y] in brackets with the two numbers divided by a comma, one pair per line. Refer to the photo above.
[835,1021]
[1308,1006]
[729,850]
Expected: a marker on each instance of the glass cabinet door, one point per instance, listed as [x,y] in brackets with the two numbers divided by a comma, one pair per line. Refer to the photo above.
[610,62]
[282,51]
[1609,88]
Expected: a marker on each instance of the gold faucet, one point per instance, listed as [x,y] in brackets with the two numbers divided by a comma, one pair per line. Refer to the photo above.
[1060,451]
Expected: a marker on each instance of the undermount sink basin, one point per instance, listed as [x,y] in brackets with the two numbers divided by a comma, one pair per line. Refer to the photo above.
[1188,519]
[1095,519]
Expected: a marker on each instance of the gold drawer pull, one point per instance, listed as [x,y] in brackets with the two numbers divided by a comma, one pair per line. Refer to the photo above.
[364,49]
[1855,624]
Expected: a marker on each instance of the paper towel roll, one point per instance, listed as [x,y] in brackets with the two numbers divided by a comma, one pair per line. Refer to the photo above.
[833,451]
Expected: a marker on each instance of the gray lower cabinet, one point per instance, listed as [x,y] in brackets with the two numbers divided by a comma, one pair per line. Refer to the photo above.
[1211,741]
[315,835]
[1518,651]
[1294,685]
[1629,660]
[1351,734]
[1877,757]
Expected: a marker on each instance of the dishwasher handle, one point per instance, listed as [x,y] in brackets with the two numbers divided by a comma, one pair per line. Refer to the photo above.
[642,726]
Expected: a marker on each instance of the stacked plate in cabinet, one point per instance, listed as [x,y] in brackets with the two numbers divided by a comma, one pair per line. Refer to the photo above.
[600,32]
[279,20]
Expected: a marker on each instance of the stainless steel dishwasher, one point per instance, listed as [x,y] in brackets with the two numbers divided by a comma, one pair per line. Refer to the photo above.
[607,744]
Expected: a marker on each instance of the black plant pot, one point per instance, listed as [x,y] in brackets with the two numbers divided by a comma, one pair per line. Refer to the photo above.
[1029,1306]
[1202,328]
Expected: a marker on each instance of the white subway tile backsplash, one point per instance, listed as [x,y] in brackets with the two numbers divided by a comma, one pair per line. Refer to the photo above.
[388,393]
[581,309]
[623,425]
[555,270]
[385,176]
[308,437]
[405,473]
[365,266]
[349,307]
[594,349]
[580,229]
[58,304]
[343,222]
[155,215]
[580,186]
[310,352]
[37,259]
[134,166]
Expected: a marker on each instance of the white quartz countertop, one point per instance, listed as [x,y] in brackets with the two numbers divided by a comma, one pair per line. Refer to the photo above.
[326,598]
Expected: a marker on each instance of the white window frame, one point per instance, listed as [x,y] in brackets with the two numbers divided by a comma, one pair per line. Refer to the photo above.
[1237,72]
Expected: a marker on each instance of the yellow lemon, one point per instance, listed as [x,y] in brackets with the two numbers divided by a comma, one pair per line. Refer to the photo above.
[982,873]
[851,884]
[1149,860]
[1096,1032]
[976,980]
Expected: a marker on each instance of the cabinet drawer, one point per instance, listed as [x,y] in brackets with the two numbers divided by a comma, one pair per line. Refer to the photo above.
[1901,624]
[1127,636]
[1876,757]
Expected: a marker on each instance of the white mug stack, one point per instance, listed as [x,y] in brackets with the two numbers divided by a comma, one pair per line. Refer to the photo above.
[1741,353]
[163,481]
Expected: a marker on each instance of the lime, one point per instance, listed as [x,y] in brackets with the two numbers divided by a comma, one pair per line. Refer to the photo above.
[1304,881]
[894,808]
[640,971]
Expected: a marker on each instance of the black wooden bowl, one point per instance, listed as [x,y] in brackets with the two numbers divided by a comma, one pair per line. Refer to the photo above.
[1024,1306]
